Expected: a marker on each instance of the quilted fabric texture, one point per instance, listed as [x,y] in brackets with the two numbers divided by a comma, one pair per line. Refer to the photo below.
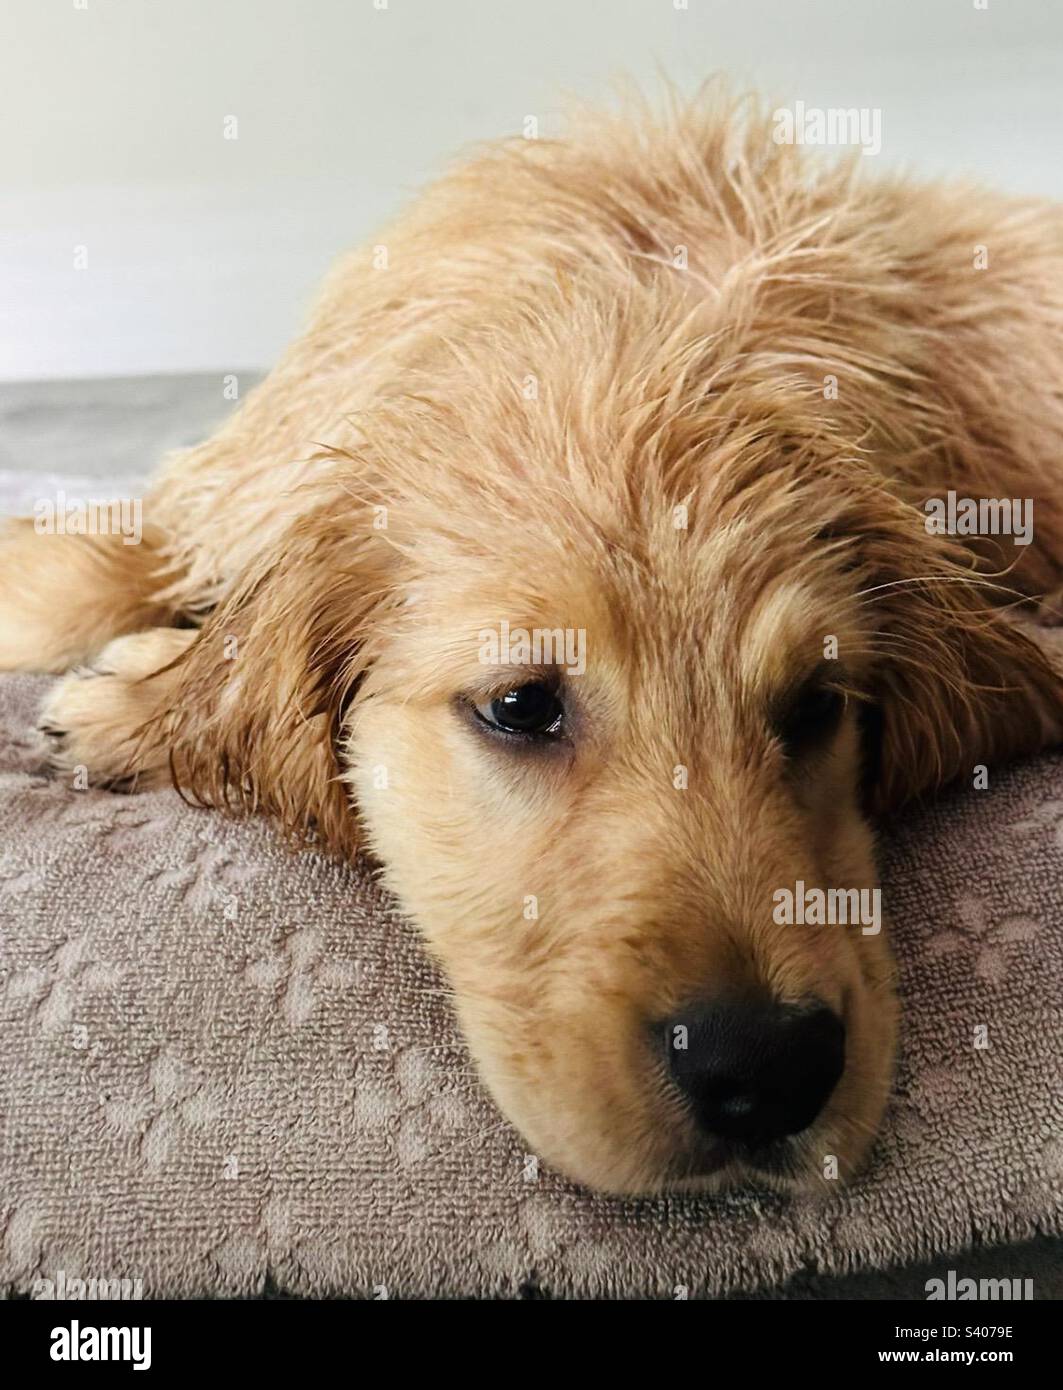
[225,1067]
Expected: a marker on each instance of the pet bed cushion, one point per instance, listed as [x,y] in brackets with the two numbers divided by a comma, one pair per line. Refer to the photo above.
[226,1069]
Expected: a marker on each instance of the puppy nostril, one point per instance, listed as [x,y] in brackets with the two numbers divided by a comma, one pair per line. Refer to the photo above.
[755,1070]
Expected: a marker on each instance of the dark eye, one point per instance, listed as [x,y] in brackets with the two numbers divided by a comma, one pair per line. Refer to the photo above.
[811,718]
[533,711]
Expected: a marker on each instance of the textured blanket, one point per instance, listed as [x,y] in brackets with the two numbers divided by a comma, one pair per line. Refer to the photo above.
[225,1068]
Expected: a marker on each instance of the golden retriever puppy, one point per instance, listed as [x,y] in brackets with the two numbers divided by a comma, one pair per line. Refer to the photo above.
[592,562]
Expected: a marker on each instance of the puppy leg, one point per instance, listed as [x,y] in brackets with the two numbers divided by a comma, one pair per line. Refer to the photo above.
[108,718]
[63,597]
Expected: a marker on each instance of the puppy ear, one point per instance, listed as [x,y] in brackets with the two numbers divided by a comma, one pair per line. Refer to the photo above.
[959,684]
[264,688]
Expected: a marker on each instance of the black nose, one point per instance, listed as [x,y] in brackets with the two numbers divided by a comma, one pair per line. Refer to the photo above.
[756,1071]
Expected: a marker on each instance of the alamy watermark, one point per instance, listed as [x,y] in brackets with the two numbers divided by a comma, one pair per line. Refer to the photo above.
[537,646]
[982,516]
[835,125]
[65,1288]
[78,1343]
[69,516]
[801,906]
[959,1290]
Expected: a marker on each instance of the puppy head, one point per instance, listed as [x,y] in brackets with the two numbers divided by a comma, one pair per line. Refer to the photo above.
[593,828]
[595,855]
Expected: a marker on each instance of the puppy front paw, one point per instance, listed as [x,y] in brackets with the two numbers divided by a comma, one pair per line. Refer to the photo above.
[101,723]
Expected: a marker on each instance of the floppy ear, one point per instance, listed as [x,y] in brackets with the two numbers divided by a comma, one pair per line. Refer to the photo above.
[958,682]
[264,688]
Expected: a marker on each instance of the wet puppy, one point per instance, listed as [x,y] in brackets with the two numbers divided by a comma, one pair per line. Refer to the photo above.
[582,562]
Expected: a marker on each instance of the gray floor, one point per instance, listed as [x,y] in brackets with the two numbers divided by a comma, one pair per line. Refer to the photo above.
[111,428]
[118,429]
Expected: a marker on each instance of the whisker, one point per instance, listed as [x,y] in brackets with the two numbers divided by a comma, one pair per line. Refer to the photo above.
[975,581]
[443,1153]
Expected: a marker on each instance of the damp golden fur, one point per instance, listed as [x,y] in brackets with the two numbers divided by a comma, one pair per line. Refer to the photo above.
[674,385]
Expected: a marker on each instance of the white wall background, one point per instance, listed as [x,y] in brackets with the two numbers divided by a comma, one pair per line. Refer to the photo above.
[203,252]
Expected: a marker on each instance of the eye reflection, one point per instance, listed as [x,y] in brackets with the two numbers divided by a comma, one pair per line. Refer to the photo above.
[528,711]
